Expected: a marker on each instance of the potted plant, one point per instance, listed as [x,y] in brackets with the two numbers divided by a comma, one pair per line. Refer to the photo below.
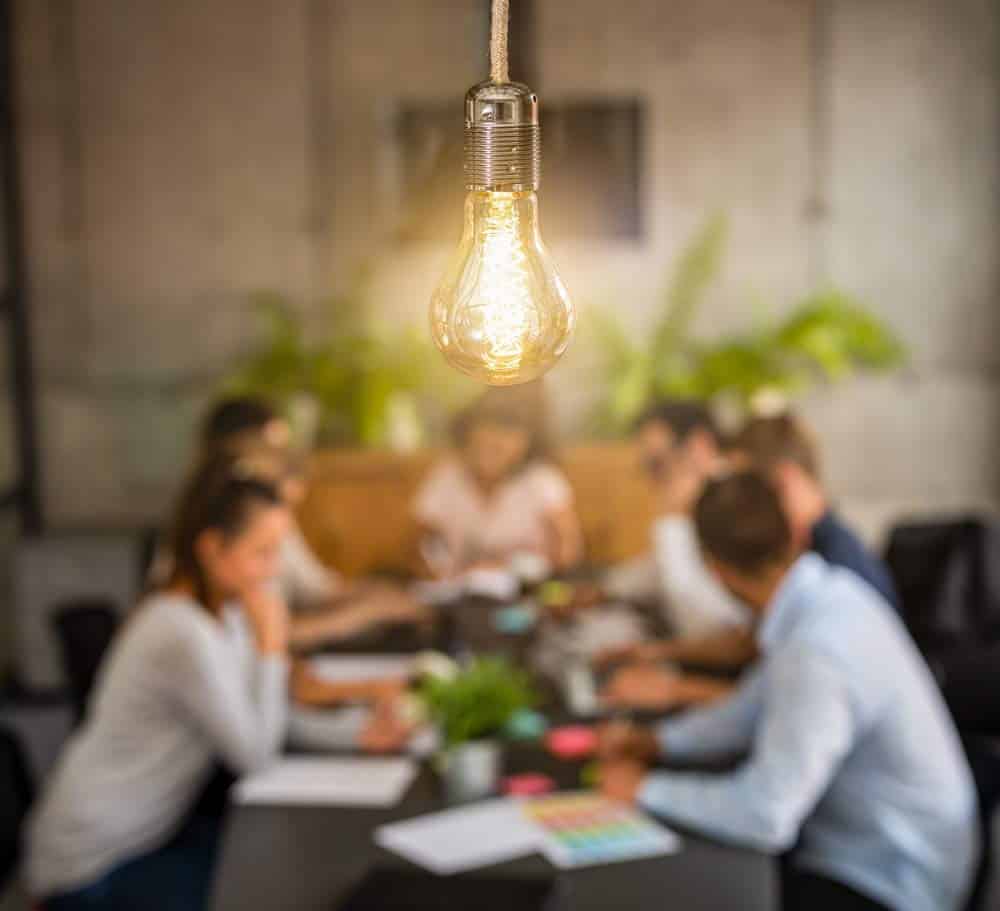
[359,381]
[471,709]
[823,338]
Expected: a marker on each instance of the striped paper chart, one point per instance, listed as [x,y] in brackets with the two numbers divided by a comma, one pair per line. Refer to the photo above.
[583,828]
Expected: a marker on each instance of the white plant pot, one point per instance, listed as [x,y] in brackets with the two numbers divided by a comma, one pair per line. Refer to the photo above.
[471,771]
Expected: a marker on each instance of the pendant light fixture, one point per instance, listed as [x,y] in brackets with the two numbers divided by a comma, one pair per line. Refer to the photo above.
[501,313]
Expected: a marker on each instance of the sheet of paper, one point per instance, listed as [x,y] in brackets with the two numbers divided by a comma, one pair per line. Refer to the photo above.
[354,668]
[465,838]
[437,591]
[320,781]
[498,584]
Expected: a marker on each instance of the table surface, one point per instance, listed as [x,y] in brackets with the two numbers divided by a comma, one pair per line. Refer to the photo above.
[308,858]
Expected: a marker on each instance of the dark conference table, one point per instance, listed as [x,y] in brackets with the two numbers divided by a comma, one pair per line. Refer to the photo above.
[308,858]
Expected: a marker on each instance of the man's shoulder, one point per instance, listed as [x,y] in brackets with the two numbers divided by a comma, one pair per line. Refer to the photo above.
[838,544]
[831,534]
[846,620]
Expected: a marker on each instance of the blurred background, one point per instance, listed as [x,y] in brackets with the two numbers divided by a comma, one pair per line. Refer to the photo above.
[779,198]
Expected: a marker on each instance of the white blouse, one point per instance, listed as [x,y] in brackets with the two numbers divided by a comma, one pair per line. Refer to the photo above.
[512,519]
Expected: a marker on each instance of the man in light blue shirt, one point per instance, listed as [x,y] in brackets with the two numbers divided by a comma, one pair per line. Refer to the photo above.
[853,760]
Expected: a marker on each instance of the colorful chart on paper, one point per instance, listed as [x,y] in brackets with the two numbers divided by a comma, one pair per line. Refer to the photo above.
[583,828]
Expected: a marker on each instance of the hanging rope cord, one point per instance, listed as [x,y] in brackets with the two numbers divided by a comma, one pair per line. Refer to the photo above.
[499,71]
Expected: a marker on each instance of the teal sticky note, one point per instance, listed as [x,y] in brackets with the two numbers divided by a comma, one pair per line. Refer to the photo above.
[516,619]
[527,725]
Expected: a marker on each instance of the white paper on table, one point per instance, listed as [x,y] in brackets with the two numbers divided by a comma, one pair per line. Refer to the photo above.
[437,591]
[321,781]
[610,626]
[499,584]
[464,838]
[362,668]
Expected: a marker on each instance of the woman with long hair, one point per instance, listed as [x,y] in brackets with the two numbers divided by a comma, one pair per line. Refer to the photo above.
[196,678]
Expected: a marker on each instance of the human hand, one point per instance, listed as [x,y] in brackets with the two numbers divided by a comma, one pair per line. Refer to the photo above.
[621,779]
[387,731]
[309,688]
[268,617]
[623,740]
[386,604]
[644,686]
[633,653]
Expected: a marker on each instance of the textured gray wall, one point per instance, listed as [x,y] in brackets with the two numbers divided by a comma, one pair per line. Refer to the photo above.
[180,155]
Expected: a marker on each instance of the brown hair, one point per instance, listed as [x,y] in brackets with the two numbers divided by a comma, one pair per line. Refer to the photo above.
[768,442]
[235,418]
[741,524]
[521,407]
[218,495]
[682,416]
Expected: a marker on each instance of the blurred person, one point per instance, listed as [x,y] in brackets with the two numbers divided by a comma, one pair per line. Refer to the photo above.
[785,450]
[325,608]
[854,764]
[197,676]
[680,449]
[239,419]
[321,618]
[499,496]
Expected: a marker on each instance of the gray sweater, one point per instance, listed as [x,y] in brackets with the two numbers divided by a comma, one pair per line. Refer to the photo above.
[179,690]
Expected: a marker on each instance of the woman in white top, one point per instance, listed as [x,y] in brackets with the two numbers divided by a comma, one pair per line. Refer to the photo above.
[325,608]
[198,676]
[498,496]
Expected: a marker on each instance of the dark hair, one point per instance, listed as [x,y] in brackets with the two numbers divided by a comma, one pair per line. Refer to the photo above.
[741,524]
[234,417]
[219,496]
[769,441]
[682,416]
[521,407]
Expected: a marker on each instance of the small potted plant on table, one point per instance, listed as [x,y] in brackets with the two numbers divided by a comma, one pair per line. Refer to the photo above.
[471,710]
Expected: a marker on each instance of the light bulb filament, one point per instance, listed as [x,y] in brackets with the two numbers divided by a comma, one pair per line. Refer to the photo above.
[509,319]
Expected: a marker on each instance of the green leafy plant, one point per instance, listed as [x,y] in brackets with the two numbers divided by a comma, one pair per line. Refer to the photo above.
[479,701]
[826,337]
[358,372]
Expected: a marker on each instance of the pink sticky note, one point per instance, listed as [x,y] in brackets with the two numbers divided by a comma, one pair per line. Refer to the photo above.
[573,742]
[529,784]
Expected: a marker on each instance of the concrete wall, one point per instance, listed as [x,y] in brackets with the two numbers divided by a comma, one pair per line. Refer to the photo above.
[181,155]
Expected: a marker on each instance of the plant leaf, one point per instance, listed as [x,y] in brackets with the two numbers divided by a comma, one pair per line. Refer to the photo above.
[695,269]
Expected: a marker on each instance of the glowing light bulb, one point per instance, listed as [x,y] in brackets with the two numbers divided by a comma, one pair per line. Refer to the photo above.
[501,313]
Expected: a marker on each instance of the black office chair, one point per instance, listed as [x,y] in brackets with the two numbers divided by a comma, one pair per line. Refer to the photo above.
[84,629]
[948,576]
[984,760]
[16,794]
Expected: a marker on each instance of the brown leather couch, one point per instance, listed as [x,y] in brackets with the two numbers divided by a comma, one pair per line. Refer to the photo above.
[357,514]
